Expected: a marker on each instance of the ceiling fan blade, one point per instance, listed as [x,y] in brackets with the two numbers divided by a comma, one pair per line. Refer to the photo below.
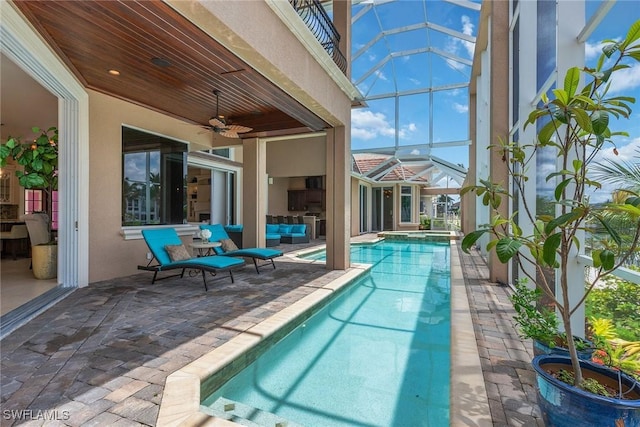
[216,122]
[229,133]
[238,128]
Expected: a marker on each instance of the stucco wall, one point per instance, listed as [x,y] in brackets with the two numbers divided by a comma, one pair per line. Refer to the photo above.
[297,157]
[109,254]
[277,204]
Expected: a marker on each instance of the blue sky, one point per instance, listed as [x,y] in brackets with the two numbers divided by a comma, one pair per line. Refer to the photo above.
[626,82]
[374,126]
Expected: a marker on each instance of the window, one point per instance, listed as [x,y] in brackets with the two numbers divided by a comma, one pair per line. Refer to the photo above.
[35,201]
[546,41]
[405,203]
[154,185]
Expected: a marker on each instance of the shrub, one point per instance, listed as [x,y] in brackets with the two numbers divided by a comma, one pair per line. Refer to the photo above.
[617,300]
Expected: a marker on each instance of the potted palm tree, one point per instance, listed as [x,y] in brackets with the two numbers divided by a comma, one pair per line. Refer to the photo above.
[39,161]
[573,122]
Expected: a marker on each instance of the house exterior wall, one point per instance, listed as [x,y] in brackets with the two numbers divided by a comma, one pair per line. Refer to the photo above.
[254,32]
[297,157]
[109,254]
[257,32]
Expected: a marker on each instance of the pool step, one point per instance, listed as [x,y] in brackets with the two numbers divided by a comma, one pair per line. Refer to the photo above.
[246,415]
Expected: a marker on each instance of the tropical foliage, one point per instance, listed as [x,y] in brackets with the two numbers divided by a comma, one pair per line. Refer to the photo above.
[617,300]
[573,122]
[38,158]
[39,161]
[612,350]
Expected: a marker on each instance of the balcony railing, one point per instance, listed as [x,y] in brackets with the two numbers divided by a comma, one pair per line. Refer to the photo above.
[316,18]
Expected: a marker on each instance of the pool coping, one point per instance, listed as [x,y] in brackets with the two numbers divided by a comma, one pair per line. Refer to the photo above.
[469,405]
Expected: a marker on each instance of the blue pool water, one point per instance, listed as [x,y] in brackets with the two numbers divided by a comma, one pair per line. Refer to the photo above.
[377,355]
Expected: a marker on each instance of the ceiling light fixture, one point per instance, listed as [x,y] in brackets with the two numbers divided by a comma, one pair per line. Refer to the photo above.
[114,72]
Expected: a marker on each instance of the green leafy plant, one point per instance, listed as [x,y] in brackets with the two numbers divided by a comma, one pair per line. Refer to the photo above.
[425,222]
[612,350]
[39,160]
[573,122]
[589,384]
[534,322]
[618,300]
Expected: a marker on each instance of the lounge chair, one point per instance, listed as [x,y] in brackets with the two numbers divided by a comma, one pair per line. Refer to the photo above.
[162,240]
[218,234]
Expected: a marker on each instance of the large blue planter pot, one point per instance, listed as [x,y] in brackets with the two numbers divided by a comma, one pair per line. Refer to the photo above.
[541,348]
[563,405]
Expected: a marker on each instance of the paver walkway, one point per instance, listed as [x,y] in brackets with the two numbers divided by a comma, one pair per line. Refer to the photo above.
[101,356]
[505,357]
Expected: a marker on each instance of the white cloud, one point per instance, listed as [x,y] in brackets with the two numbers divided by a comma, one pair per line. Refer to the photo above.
[366,125]
[629,153]
[380,75]
[414,81]
[361,133]
[625,79]
[592,51]
[372,57]
[455,44]
[460,108]
[467,29]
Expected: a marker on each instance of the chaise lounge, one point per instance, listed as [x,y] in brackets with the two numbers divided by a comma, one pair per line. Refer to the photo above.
[170,254]
[228,248]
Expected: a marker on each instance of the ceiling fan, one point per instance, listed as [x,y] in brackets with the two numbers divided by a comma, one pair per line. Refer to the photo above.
[219,125]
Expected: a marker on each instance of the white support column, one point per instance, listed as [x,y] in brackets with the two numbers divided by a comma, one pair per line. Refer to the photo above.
[338,198]
[254,192]
[570,53]
[527,90]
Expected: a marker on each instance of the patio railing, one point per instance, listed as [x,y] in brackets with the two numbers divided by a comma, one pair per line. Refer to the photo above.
[318,21]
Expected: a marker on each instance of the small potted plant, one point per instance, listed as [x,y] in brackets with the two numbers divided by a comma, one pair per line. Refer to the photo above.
[574,124]
[39,161]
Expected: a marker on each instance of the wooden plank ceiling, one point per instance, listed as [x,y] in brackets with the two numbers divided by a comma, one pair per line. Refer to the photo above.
[165,62]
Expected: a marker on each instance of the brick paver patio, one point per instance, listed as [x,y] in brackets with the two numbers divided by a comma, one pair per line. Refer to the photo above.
[101,356]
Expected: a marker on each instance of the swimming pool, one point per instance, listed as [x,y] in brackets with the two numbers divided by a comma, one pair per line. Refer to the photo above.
[377,355]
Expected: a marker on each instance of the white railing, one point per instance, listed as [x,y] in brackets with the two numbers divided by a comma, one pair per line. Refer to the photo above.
[622,272]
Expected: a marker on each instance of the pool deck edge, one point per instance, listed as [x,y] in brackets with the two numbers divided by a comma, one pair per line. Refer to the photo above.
[469,403]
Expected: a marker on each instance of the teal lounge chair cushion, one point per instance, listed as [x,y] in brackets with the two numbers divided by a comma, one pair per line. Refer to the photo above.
[163,240]
[159,238]
[218,234]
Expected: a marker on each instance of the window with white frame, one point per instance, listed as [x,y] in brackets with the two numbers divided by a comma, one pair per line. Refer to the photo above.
[406,202]
[154,185]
